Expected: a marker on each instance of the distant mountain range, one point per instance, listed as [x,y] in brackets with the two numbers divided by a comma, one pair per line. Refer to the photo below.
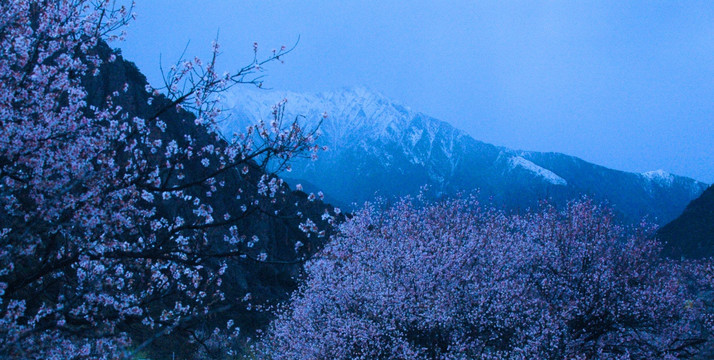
[380,148]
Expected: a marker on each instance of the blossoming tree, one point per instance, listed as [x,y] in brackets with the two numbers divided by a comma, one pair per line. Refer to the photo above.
[109,219]
[453,281]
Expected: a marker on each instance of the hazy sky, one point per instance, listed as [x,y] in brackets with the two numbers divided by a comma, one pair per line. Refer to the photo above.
[628,85]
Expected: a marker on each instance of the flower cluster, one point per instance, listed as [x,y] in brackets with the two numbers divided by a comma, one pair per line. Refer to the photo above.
[108,196]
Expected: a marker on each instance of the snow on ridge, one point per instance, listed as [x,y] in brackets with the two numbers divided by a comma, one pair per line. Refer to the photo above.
[544,173]
[660,177]
[349,110]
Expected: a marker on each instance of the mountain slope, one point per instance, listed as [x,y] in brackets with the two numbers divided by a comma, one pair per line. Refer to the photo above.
[275,223]
[691,235]
[378,147]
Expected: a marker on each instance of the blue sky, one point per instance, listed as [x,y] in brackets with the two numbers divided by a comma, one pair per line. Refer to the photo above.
[628,85]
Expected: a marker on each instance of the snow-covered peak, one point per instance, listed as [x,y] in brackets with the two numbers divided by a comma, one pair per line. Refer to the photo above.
[545,174]
[350,111]
[659,177]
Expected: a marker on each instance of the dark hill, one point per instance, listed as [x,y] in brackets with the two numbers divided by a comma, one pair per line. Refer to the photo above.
[691,235]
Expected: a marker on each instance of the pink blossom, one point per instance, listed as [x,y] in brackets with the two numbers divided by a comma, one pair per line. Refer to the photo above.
[451,280]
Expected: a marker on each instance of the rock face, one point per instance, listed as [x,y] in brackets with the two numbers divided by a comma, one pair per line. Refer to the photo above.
[378,147]
[691,235]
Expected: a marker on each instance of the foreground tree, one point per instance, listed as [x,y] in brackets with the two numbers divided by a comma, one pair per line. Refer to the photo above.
[110,221]
[453,281]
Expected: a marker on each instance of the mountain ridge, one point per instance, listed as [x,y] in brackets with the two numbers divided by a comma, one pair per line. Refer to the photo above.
[379,147]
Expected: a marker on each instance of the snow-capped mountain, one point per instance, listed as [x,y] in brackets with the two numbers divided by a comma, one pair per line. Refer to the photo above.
[378,147]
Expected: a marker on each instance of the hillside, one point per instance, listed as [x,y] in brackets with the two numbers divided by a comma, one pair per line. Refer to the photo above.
[691,235]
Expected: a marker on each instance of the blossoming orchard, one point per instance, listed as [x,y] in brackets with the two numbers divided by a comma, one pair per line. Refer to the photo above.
[125,215]
[451,280]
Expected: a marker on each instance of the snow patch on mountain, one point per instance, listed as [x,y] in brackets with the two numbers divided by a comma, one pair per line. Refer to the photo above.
[659,177]
[352,113]
[547,175]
